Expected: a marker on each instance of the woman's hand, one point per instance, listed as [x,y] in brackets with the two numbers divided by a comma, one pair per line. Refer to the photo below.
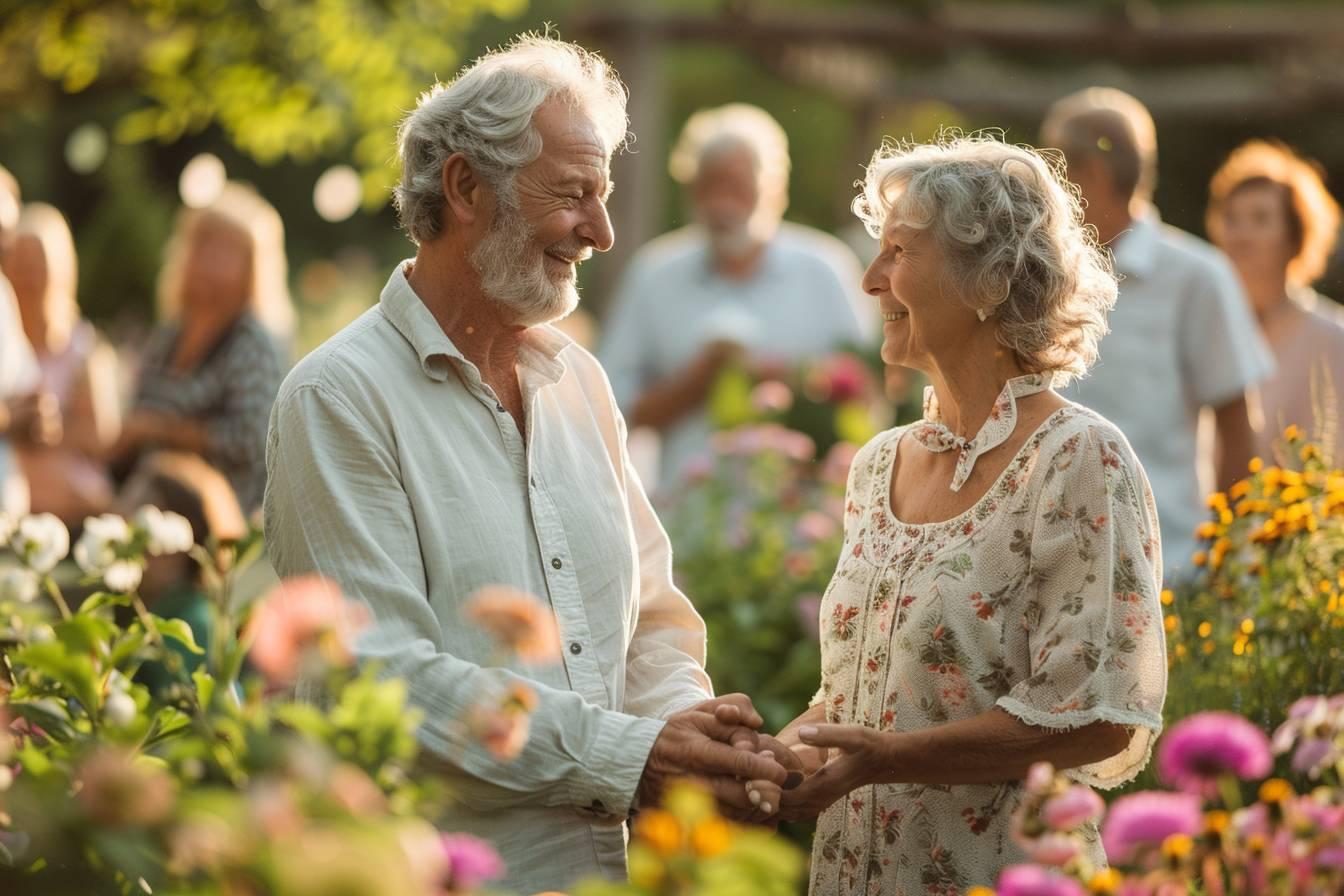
[864,757]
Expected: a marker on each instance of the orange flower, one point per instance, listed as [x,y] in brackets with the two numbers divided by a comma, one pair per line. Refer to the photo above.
[660,830]
[518,621]
[1256,465]
[711,837]
[303,617]
[503,727]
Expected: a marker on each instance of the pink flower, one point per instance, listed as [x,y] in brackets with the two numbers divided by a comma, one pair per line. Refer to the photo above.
[1073,808]
[1040,777]
[1028,880]
[1201,749]
[1143,820]
[118,791]
[300,618]
[846,378]
[809,614]
[698,469]
[502,727]
[771,397]
[814,526]
[471,862]
[1054,848]
[766,438]
[518,621]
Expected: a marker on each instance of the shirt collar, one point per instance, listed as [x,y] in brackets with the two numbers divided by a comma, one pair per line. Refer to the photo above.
[539,349]
[1135,251]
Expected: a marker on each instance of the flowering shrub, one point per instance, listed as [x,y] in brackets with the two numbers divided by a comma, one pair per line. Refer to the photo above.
[757,533]
[686,849]
[1199,838]
[837,398]
[218,783]
[1267,617]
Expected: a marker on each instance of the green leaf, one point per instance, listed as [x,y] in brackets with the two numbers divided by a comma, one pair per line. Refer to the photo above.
[131,642]
[74,672]
[86,634]
[103,599]
[205,685]
[179,631]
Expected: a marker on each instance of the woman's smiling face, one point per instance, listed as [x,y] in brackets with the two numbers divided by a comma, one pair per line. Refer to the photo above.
[921,319]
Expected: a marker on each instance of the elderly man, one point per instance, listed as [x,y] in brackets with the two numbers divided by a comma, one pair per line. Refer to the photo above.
[1182,336]
[450,439]
[738,285]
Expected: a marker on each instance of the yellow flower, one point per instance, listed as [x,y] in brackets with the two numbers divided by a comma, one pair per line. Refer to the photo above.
[1293,493]
[1206,530]
[1225,517]
[1205,629]
[1275,790]
[645,868]
[1200,558]
[660,830]
[1218,501]
[1181,651]
[1216,822]
[1247,626]
[1290,477]
[711,837]
[1170,623]
[1292,433]
[1104,882]
[1256,843]
[1208,647]
[1239,490]
[1309,452]
[1168,597]
[1324,586]
[689,803]
[1177,846]
[1256,465]
[979,891]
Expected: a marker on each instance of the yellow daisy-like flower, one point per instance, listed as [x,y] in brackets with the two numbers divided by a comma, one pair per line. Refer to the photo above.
[1309,452]
[660,830]
[1181,651]
[645,869]
[1170,623]
[1247,626]
[1168,597]
[1200,559]
[1208,647]
[1205,629]
[1216,821]
[1256,465]
[1177,846]
[1292,433]
[979,891]
[1239,490]
[711,837]
[1275,790]
[1104,882]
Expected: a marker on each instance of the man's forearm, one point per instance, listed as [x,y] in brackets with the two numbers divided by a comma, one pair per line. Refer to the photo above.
[669,400]
[1236,442]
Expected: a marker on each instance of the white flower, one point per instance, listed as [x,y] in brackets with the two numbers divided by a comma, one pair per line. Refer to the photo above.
[41,542]
[123,576]
[7,526]
[168,533]
[41,634]
[97,546]
[17,583]
[119,708]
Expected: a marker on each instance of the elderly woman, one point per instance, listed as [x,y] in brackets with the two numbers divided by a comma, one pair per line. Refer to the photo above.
[211,372]
[996,600]
[1270,212]
[76,370]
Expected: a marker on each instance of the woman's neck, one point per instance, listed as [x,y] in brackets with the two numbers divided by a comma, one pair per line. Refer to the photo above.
[966,387]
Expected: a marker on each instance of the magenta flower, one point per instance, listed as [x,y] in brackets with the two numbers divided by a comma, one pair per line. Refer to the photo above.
[1201,749]
[471,862]
[1028,880]
[1143,820]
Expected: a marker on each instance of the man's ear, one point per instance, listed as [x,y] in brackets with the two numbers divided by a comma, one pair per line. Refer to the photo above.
[463,191]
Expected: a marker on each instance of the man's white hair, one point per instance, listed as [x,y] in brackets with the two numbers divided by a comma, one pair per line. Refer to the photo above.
[729,128]
[486,114]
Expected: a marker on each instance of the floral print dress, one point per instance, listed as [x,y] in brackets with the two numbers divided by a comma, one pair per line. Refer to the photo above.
[1041,600]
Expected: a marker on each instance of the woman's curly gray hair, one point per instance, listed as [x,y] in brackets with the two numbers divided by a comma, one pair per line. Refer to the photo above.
[1011,228]
[486,114]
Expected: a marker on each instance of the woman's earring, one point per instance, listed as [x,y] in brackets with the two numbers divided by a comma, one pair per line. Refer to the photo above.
[982,314]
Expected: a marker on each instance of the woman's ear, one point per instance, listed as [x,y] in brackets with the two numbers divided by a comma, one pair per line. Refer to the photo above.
[462,190]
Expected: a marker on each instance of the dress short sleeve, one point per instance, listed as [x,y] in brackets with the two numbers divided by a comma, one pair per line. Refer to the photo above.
[1094,618]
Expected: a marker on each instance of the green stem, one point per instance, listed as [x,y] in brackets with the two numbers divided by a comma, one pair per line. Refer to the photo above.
[55,594]
[1230,791]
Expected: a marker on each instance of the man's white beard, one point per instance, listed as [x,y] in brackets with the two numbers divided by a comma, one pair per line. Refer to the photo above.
[513,273]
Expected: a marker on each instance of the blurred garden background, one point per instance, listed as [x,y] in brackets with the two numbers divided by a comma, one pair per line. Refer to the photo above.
[120,112]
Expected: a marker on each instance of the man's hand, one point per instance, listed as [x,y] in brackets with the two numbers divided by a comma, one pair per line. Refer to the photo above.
[695,744]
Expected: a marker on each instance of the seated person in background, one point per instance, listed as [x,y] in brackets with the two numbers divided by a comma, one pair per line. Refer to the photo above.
[1271,213]
[172,586]
[211,369]
[75,368]
[738,282]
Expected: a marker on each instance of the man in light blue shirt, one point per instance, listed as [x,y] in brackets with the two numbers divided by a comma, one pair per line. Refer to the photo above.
[1182,336]
[737,285]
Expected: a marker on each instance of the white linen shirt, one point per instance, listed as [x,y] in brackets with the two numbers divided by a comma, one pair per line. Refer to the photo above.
[395,470]
[1182,337]
[804,302]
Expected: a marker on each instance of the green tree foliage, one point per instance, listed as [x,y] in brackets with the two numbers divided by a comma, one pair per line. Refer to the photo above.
[283,79]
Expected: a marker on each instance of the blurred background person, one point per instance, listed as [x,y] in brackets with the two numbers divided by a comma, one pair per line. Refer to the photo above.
[211,369]
[26,416]
[1271,213]
[1182,337]
[75,368]
[739,285]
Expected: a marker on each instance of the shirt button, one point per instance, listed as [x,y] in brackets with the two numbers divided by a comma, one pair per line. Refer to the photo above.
[499,406]
[575,648]
[533,480]
[555,563]
[599,806]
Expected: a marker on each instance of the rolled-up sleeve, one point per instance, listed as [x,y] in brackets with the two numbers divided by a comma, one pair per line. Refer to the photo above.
[1097,648]
[335,506]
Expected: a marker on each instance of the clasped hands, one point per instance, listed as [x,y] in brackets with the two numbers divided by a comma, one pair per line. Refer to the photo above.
[757,778]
